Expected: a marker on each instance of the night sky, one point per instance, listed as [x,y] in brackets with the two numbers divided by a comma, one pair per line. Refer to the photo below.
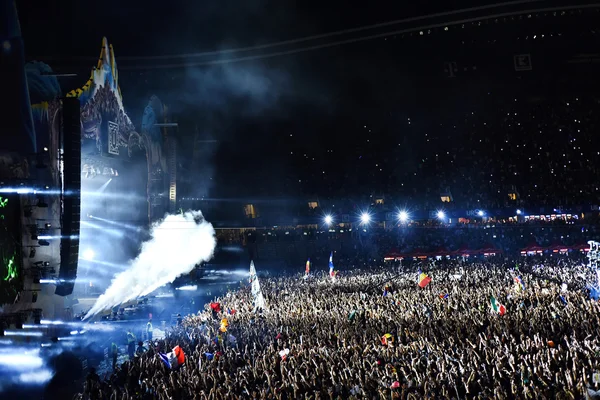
[272,116]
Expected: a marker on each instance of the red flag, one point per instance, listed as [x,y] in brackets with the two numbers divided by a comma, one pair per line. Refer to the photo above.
[424,280]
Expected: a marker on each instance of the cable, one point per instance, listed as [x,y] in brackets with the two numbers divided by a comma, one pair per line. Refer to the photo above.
[330,34]
[349,41]
[312,37]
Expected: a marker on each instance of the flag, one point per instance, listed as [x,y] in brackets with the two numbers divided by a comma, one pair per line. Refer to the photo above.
[284,353]
[331,265]
[257,295]
[386,290]
[497,307]
[444,296]
[173,359]
[352,315]
[594,293]
[424,279]
[387,339]
[562,299]
[519,283]
[307,270]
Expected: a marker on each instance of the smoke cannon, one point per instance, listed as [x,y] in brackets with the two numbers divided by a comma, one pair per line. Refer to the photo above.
[177,244]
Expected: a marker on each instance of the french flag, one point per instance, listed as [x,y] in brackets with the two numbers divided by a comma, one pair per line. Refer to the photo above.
[173,359]
[331,274]
[519,282]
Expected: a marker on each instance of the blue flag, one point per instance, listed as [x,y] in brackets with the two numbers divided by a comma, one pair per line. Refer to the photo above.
[562,299]
[165,359]
[594,293]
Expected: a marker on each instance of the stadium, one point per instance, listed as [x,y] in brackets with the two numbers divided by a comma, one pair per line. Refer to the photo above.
[405,209]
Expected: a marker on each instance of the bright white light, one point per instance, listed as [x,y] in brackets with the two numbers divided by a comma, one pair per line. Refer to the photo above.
[403,216]
[88,254]
[188,288]
[22,333]
[441,215]
[74,332]
[49,322]
[365,218]
[51,281]
[33,326]
[328,219]
[480,213]
[518,212]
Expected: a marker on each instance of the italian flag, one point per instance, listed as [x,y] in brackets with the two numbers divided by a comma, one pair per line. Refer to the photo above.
[497,307]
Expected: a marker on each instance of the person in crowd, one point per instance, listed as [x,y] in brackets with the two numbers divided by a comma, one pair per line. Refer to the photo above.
[149,330]
[130,343]
[114,350]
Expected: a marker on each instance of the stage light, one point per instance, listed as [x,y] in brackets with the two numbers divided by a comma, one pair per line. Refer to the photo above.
[45,149]
[188,288]
[480,213]
[88,254]
[365,218]
[403,216]
[23,333]
[328,219]
[441,215]
[518,212]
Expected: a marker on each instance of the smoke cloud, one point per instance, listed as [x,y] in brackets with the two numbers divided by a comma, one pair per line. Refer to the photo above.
[177,244]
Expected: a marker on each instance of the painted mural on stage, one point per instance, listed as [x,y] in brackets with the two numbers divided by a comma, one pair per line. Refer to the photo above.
[106,128]
[109,136]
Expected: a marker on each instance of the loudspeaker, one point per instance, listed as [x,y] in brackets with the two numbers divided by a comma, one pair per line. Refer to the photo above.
[69,246]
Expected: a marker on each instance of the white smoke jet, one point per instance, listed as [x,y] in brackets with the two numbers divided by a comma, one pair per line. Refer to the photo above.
[177,244]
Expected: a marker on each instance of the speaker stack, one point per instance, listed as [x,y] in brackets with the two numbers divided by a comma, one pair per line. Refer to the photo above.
[69,249]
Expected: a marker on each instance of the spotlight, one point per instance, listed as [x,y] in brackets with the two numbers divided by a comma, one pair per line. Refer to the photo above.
[365,218]
[519,212]
[480,213]
[403,216]
[441,215]
[45,149]
[328,219]
[48,226]
[88,254]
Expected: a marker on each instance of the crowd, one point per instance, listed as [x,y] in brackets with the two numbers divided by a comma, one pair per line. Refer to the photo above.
[472,332]
[541,149]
